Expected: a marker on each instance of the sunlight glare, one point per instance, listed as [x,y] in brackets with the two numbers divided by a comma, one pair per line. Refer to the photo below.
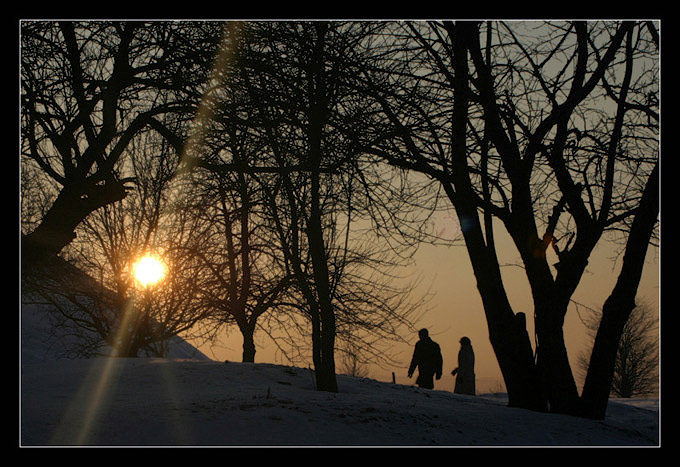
[149,270]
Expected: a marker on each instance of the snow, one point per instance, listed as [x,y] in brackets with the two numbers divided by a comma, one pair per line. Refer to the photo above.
[190,400]
[185,402]
[40,342]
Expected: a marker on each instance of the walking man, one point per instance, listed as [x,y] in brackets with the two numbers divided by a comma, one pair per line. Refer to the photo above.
[427,356]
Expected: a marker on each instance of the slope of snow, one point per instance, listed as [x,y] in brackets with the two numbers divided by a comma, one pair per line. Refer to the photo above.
[42,339]
[40,342]
[190,400]
[175,402]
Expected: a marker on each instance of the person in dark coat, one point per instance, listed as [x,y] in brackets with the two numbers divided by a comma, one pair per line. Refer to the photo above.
[465,373]
[427,357]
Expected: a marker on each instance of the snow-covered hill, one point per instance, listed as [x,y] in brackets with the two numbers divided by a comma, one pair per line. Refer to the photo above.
[189,400]
[40,342]
[162,402]
[41,338]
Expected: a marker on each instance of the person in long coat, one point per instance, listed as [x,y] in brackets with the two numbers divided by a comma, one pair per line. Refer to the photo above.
[465,373]
[427,357]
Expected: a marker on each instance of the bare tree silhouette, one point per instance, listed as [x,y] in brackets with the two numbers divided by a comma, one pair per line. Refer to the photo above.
[88,89]
[546,128]
[636,371]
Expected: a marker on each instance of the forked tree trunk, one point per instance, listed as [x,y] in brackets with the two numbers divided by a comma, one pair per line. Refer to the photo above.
[620,304]
[507,331]
[72,206]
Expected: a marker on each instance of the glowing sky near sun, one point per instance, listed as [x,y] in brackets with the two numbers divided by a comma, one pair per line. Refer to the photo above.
[149,270]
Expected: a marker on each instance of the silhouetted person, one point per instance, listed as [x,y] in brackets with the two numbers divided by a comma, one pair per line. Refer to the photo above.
[465,373]
[427,356]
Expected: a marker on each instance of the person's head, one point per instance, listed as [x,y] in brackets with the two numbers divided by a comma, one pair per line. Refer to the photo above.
[423,334]
[465,341]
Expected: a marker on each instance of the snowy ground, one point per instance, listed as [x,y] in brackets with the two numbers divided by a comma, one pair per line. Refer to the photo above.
[158,402]
[189,400]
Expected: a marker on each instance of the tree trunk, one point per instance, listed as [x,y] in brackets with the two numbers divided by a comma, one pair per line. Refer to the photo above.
[595,397]
[556,381]
[512,347]
[507,331]
[325,372]
[73,204]
[248,344]
[620,304]
[317,88]
[132,335]
[325,363]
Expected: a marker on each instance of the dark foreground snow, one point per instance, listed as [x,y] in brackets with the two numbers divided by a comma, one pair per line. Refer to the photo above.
[158,402]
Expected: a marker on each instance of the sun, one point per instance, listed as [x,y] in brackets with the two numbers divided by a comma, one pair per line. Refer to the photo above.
[149,270]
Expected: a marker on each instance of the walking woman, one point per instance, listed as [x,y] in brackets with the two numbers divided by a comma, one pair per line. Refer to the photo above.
[465,373]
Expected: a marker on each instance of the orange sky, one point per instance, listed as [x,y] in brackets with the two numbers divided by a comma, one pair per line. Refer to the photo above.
[456,311]
[456,308]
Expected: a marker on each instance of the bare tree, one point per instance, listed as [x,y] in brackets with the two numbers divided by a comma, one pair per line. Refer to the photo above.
[351,363]
[636,371]
[136,317]
[243,277]
[88,89]
[78,312]
[300,119]
[545,129]
[322,203]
